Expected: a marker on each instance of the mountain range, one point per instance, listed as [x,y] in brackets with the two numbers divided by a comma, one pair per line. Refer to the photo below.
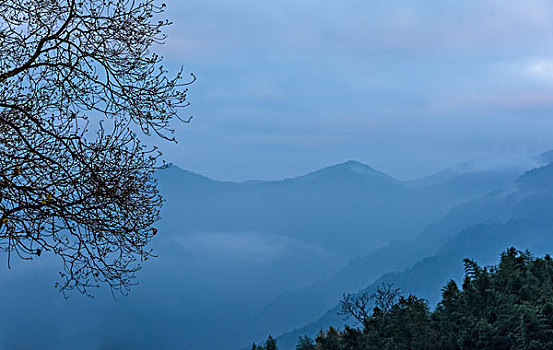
[519,215]
[241,260]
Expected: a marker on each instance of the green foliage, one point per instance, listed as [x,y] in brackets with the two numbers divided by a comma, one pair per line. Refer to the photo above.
[270,344]
[508,306]
[305,343]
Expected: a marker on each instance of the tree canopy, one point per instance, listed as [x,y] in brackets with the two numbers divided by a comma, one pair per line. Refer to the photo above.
[79,85]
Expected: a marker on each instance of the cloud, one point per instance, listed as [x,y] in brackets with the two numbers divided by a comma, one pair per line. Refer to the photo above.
[219,28]
[541,69]
[242,247]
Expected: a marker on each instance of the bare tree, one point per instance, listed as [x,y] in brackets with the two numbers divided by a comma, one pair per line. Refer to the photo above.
[359,306]
[385,297]
[70,185]
[356,306]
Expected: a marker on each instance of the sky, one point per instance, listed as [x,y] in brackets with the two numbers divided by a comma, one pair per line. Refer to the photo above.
[409,88]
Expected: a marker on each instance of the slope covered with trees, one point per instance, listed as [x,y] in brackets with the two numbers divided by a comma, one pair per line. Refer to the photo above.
[507,306]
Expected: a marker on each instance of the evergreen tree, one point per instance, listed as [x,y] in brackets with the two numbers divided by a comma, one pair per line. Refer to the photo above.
[270,344]
[305,343]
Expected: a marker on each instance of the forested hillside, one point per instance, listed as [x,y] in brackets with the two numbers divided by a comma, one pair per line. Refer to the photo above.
[506,306]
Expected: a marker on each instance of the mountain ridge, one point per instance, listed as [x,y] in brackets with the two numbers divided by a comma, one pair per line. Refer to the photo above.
[520,213]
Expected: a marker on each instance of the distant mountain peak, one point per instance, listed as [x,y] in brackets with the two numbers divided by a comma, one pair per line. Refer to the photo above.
[356,167]
[179,174]
[349,168]
[352,164]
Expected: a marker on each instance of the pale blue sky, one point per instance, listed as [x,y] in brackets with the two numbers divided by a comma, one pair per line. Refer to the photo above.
[407,87]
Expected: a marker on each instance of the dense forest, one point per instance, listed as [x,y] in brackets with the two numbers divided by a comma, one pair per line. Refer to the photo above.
[508,306]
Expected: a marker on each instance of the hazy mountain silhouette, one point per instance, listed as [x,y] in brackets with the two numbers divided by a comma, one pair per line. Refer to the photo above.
[303,305]
[349,208]
[519,215]
[226,250]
